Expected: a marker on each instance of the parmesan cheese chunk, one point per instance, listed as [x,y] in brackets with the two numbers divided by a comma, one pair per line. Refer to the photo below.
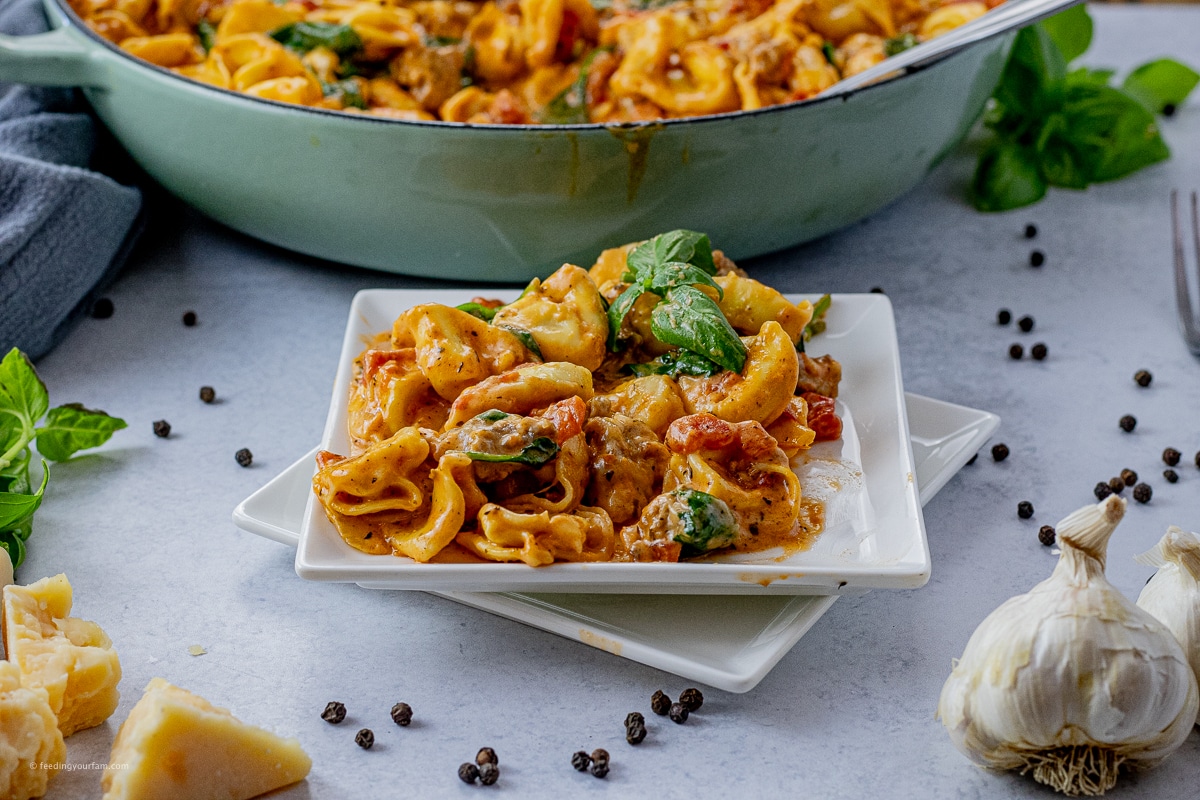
[31,748]
[71,658]
[178,745]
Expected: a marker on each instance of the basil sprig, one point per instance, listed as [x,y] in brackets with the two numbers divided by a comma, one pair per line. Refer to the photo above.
[485,313]
[706,522]
[534,454]
[1053,126]
[676,363]
[347,91]
[817,323]
[569,107]
[305,36]
[671,265]
[65,431]
[898,44]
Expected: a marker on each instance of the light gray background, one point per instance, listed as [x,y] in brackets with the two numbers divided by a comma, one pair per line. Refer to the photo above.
[143,528]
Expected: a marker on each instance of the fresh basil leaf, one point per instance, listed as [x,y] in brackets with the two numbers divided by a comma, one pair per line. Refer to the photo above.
[1031,83]
[495,415]
[689,247]
[1161,83]
[617,311]
[898,44]
[72,428]
[16,508]
[569,107]
[1086,75]
[526,339]
[439,41]
[536,453]
[829,51]
[676,363]
[207,33]
[22,393]
[485,313]
[1007,177]
[1114,134]
[707,522]
[347,91]
[347,69]
[305,36]
[664,277]
[689,318]
[1060,161]
[13,542]
[817,323]
[1070,30]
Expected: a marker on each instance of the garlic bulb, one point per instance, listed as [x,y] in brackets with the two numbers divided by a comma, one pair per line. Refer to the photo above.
[1072,681]
[1172,595]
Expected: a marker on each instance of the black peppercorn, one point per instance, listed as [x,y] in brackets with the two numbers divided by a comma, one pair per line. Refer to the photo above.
[1129,476]
[600,756]
[1015,351]
[488,773]
[1142,378]
[244,457]
[402,714]
[1117,485]
[1128,423]
[467,772]
[207,394]
[1171,456]
[1030,231]
[972,460]
[1025,323]
[659,703]
[1004,316]
[1037,258]
[486,755]
[1142,493]
[1046,535]
[1171,475]
[365,738]
[1197,459]
[635,733]
[1168,110]
[999,452]
[580,760]
[634,717]
[678,713]
[1101,491]
[103,309]
[1039,351]
[189,318]
[691,699]
[599,770]
[1024,509]
[877,290]
[162,429]
[334,713]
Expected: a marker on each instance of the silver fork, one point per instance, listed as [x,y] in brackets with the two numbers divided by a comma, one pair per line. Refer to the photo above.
[1189,321]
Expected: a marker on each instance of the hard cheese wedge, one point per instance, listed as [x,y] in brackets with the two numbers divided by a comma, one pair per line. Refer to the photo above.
[31,748]
[71,658]
[178,745]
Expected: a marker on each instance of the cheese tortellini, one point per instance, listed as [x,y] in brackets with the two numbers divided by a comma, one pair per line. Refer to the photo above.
[523,61]
[534,432]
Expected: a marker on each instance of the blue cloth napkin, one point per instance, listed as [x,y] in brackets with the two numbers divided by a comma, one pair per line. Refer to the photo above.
[64,229]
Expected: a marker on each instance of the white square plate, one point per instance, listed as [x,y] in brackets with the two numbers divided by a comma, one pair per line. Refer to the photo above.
[874,535]
[658,630]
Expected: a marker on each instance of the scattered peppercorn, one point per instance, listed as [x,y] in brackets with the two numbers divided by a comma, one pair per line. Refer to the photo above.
[1046,535]
[244,457]
[580,760]
[467,772]
[189,318]
[103,309]
[1197,459]
[972,461]
[634,717]
[488,774]
[1101,491]
[635,733]
[365,739]
[999,452]
[1142,493]
[1039,351]
[1024,509]
[207,394]
[1015,351]
[1037,258]
[1025,323]
[659,703]
[1117,485]
[678,713]
[599,770]
[1004,316]
[402,714]
[1142,378]
[877,290]
[1128,423]
[1171,456]
[1129,476]
[691,699]
[1030,231]
[486,755]
[1168,110]
[162,429]
[334,713]
[1171,475]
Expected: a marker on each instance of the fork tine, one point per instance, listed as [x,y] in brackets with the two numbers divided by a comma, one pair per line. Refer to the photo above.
[1187,320]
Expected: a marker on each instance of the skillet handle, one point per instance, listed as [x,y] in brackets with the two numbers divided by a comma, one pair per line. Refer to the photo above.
[57,58]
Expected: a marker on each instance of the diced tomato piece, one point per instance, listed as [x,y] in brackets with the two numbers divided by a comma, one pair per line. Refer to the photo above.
[822,418]
[564,50]
[568,417]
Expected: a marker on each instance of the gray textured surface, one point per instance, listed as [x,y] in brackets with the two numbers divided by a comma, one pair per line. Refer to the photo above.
[142,529]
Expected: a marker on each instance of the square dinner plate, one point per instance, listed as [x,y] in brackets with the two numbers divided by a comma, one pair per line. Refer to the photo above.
[874,535]
[658,630]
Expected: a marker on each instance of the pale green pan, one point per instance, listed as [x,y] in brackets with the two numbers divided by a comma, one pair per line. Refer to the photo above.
[504,203]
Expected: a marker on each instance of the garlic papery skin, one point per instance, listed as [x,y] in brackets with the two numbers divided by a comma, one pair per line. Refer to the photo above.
[1172,595]
[1071,681]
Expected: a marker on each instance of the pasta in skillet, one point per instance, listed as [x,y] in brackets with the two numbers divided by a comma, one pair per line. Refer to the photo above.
[524,61]
[644,410]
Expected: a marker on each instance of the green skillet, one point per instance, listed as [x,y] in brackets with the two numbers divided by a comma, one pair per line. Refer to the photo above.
[507,202]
